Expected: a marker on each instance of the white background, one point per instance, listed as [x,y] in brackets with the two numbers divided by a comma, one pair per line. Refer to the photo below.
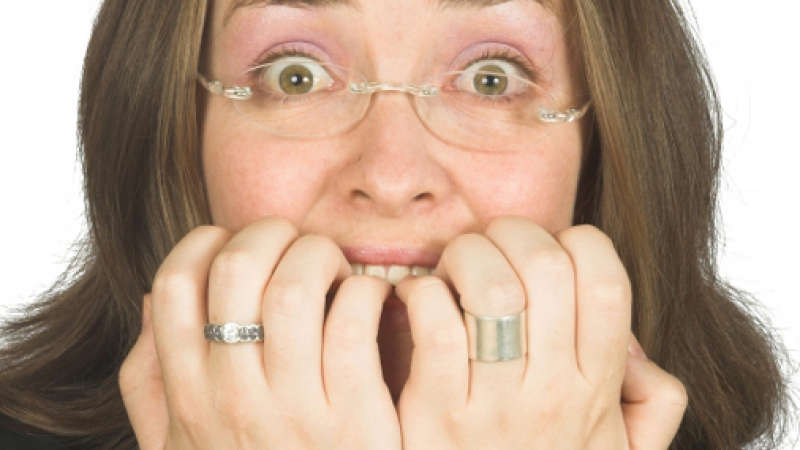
[754,49]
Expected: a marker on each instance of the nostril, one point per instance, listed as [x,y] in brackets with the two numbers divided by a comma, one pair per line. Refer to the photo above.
[358,193]
[423,196]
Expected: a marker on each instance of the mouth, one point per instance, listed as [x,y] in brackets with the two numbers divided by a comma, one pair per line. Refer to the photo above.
[391,264]
[391,273]
[394,317]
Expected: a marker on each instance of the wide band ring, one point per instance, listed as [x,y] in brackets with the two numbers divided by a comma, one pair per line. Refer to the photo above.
[493,339]
[232,333]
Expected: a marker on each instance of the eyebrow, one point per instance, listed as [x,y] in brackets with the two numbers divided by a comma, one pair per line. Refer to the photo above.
[444,4]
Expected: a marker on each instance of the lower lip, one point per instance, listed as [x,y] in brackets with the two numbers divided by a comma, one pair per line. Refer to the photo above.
[395,315]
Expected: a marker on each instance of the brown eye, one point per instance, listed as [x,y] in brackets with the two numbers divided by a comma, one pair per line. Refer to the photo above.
[486,83]
[296,79]
[491,79]
[296,76]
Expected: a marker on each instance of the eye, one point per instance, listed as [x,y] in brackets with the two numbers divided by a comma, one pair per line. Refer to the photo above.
[493,77]
[296,76]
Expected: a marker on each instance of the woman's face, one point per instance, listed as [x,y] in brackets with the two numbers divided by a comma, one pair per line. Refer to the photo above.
[387,190]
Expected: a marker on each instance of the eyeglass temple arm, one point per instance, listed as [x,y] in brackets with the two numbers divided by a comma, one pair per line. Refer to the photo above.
[216,88]
[571,115]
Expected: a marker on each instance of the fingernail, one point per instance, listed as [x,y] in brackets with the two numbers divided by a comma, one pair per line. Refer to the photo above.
[635,349]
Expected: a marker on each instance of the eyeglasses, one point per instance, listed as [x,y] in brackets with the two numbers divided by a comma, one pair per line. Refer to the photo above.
[487,109]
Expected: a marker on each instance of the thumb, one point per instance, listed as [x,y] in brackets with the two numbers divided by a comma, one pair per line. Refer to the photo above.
[142,388]
[653,402]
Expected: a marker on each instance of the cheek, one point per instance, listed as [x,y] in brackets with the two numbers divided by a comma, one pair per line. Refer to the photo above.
[540,184]
[250,174]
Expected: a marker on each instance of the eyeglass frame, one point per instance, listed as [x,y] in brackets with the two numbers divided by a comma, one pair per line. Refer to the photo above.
[240,93]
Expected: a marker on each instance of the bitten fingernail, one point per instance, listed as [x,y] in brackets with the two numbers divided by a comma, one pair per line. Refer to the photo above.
[635,349]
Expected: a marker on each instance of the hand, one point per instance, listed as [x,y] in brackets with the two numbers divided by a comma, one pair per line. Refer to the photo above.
[566,393]
[305,387]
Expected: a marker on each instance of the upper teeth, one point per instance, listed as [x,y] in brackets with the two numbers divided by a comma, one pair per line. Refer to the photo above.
[392,273]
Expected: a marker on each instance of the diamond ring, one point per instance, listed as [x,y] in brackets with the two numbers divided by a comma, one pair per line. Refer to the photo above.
[232,333]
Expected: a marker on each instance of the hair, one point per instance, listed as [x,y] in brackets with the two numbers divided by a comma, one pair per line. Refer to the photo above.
[649,180]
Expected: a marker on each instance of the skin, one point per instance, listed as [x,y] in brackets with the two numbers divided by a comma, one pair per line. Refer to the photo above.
[289,215]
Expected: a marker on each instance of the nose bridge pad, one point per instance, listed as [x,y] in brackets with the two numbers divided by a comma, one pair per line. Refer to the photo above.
[395,86]
[398,89]
[415,90]
[421,90]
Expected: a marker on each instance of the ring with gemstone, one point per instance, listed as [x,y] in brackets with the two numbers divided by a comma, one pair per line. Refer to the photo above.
[232,333]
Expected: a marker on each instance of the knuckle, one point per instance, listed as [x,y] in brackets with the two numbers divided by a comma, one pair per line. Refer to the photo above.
[440,338]
[674,393]
[611,294]
[209,233]
[502,296]
[278,224]
[323,249]
[428,284]
[588,228]
[446,340]
[362,283]
[346,373]
[128,375]
[549,260]
[171,282]
[319,243]
[287,296]
[583,231]
[212,230]
[581,236]
[504,221]
[463,241]
[347,334]
[424,288]
[231,265]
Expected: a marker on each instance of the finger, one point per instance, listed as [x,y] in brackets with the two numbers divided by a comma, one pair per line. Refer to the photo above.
[179,306]
[547,274]
[293,316]
[439,374]
[653,402]
[351,362]
[488,287]
[237,281]
[603,311]
[142,388]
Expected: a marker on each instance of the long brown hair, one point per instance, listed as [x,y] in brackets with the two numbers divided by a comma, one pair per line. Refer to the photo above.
[649,181]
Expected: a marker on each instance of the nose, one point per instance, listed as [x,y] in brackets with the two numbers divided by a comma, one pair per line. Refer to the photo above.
[395,171]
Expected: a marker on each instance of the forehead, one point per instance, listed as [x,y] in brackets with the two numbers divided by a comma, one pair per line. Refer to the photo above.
[432,31]
[356,4]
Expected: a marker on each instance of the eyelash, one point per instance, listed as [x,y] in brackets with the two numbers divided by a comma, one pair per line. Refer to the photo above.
[283,52]
[527,70]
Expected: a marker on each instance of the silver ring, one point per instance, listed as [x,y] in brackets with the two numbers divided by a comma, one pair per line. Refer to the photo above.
[493,339]
[232,333]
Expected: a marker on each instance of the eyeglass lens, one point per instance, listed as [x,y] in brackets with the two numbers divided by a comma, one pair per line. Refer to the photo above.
[486,110]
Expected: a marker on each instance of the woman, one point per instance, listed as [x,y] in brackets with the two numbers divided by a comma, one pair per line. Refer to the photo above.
[296,196]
